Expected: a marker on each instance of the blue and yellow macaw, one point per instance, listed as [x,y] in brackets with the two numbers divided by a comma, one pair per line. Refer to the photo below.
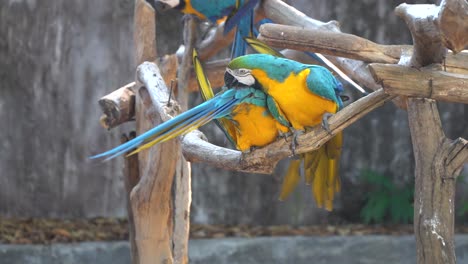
[238,12]
[249,125]
[304,94]
[235,106]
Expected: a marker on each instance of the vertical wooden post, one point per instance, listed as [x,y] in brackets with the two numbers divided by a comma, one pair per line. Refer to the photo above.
[434,196]
[160,212]
[434,174]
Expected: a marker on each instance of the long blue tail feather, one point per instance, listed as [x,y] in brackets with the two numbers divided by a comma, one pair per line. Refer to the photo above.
[198,116]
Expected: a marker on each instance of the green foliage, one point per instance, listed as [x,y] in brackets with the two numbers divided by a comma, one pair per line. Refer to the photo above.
[386,201]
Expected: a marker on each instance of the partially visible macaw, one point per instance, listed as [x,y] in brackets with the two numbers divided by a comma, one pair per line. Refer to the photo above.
[238,12]
[305,95]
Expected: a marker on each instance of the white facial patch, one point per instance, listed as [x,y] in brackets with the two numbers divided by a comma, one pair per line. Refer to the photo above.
[171,3]
[243,76]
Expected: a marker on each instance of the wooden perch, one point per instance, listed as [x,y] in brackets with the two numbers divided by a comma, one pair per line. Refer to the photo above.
[427,41]
[438,85]
[328,42]
[118,107]
[457,156]
[346,45]
[453,24]
[215,42]
[144,32]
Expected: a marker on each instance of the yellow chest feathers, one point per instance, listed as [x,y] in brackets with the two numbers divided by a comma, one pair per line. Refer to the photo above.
[299,104]
[255,128]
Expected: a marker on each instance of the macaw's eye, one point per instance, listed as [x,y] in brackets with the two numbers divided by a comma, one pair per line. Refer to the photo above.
[242,71]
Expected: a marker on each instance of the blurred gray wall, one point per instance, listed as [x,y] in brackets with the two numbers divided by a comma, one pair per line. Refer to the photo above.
[57,58]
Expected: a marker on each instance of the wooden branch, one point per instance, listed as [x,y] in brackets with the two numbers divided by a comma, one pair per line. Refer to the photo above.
[182,195]
[453,24]
[214,42]
[144,32]
[282,13]
[438,85]
[428,48]
[328,42]
[168,64]
[151,197]
[434,189]
[118,107]
[131,178]
[457,156]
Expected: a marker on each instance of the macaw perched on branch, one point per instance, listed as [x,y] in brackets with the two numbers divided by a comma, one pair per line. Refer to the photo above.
[250,125]
[305,95]
[238,12]
[231,104]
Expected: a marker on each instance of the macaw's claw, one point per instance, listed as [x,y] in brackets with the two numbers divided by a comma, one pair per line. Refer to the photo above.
[294,142]
[325,124]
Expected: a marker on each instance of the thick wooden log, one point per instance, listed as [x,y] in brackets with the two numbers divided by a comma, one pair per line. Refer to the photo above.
[328,42]
[347,45]
[434,181]
[118,107]
[144,32]
[411,82]
[427,41]
[151,197]
[453,24]
[131,178]
[434,194]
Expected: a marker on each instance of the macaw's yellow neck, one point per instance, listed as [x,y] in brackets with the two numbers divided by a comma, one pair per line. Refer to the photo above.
[188,9]
[299,104]
[255,127]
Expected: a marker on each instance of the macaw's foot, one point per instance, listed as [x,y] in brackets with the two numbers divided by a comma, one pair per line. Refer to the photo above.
[325,124]
[284,135]
[294,142]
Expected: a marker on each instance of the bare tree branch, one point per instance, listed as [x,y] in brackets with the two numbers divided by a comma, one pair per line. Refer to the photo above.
[328,42]
[453,24]
[118,107]
[438,85]
[427,41]
[458,156]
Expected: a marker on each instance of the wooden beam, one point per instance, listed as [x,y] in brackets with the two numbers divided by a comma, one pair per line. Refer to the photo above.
[328,42]
[411,82]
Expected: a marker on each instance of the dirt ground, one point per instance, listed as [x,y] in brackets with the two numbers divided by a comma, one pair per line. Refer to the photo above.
[46,231]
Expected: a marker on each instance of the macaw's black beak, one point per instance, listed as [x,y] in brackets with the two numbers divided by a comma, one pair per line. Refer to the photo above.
[229,80]
[158,5]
